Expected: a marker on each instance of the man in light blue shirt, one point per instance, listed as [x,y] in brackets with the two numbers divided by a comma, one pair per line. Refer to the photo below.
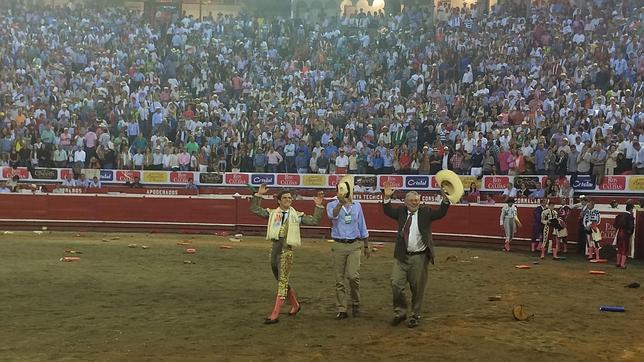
[348,227]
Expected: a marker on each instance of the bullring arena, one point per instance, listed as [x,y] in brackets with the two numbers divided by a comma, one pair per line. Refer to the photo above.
[135,293]
[146,144]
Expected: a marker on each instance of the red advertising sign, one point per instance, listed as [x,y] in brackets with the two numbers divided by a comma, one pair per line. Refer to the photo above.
[559,181]
[237,179]
[181,177]
[125,176]
[392,181]
[288,179]
[66,171]
[613,183]
[496,182]
[8,172]
[334,179]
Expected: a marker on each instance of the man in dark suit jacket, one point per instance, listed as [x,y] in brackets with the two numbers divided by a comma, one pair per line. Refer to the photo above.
[413,251]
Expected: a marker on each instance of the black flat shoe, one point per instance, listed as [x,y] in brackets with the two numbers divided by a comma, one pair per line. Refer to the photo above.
[271,321]
[293,314]
[397,319]
[413,322]
[342,315]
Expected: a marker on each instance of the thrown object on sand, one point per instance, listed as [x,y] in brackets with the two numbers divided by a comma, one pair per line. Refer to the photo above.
[494,298]
[189,262]
[632,285]
[225,247]
[612,308]
[145,247]
[8,232]
[239,236]
[70,258]
[451,258]
[520,314]
[599,261]
[191,251]
[522,266]
[597,272]
[73,251]
[132,246]
[38,232]
[234,240]
[330,241]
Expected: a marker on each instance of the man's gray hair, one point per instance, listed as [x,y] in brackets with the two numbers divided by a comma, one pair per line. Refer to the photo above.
[412,194]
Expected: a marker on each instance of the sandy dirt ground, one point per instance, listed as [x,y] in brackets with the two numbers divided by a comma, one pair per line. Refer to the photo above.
[133,304]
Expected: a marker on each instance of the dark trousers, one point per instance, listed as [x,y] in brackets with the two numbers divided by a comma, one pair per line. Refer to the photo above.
[412,271]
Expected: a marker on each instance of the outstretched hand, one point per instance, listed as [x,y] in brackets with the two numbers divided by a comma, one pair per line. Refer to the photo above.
[319,198]
[389,191]
[263,189]
[444,194]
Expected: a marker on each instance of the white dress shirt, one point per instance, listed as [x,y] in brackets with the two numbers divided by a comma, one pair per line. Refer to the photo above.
[415,243]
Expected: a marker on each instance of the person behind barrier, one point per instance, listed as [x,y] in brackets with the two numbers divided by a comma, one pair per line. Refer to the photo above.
[582,205]
[550,222]
[508,222]
[283,230]
[591,220]
[537,227]
[413,251]
[625,225]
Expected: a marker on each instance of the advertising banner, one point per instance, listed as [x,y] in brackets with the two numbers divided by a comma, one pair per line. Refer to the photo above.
[313,180]
[210,178]
[155,177]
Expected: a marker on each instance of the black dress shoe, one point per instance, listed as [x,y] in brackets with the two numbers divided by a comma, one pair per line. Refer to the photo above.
[413,322]
[270,321]
[397,319]
[355,311]
[342,315]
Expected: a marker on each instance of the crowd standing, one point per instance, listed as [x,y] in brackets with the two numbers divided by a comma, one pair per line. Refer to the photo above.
[553,91]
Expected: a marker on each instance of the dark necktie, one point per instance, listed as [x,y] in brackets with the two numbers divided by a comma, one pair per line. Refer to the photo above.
[407,227]
[283,217]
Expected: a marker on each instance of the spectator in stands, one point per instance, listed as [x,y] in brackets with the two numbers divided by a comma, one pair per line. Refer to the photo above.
[134,183]
[95,183]
[536,95]
[638,161]
[510,191]
[191,185]
[4,188]
[68,181]
[82,181]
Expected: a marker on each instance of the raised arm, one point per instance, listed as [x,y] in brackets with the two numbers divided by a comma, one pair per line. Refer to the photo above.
[386,204]
[317,212]
[442,210]
[255,203]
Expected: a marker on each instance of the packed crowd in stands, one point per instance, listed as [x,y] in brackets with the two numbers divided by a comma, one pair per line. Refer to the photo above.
[558,92]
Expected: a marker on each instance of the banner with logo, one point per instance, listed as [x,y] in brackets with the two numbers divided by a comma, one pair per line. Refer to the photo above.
[155,177]
[614,184]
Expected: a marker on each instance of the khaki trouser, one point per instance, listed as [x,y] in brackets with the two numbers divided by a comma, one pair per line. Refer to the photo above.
[346,264]
[413,271]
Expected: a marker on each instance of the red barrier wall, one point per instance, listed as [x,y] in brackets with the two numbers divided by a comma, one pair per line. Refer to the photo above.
[470,224]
